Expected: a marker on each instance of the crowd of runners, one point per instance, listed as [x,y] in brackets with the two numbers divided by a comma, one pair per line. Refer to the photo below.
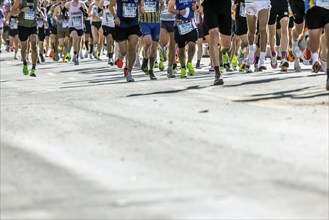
[238,35]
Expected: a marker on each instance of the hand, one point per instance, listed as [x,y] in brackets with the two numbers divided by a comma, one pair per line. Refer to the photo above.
[194,8]
[234,7]
[142,10]
[59,22]
[117,21]
[182,12]
[26,9]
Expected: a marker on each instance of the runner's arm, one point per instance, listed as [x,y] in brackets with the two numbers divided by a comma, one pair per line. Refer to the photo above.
[171,8]
[15,9]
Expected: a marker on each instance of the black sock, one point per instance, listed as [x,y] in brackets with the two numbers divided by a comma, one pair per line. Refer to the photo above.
[24,63]
[7,42]
[183,67]
[86,44]
[174,66]
[328,72]
[75,53]
[33,66]
[110,55]
[53,46]
[91,48]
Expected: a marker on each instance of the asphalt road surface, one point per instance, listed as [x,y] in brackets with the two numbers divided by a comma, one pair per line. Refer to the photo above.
[78,142]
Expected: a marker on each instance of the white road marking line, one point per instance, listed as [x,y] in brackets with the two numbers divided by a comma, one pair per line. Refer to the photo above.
[71,78]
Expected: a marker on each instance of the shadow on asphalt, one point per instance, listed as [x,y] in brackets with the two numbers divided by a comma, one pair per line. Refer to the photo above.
[263,81]
[292,94]
[167,91]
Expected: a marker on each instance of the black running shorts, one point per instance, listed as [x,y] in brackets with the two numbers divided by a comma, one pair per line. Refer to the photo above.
[317,17]
[181,40]
[217,14]
[25,32]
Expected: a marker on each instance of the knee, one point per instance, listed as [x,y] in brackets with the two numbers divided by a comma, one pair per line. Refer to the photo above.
[262,29]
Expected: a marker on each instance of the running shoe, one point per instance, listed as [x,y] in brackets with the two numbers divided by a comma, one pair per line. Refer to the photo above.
[156,65]
[52,54]
[190,67]
[241,57]
[291,57]
[235,63]
[81,56]
[251,55]
[274,62]
[42,58]
[212,69]
[248,69]
[261,68]
[183,73]
[162,54]
[25,70]
[68,56]
[226,61]
[86,54]
[125,71]
[316,67]
[218,80]
[119,63]
[297,67]
[91,56]
[15,56]
[99,58]
[144,65]
[295,50]
[161,66]
[110,61]
[284,65]
[151,75]
[242,67]
[307,54]
[170,73]
[129,77]
[56,57]
[32,73]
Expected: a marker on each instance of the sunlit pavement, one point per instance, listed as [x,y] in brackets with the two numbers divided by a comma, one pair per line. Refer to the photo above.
[78,142]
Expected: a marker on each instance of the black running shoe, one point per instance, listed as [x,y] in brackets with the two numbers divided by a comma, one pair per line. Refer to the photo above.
[144,65]
[151,75]
[218,80]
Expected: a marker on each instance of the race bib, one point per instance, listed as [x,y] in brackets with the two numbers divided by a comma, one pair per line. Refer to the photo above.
[40,23]
[109,17]
[129,10]
[65,23]
[95,10]
[13,24]
[185,27]
[77,21]
[322,3]
[243,10]
[150,6]
[29,15]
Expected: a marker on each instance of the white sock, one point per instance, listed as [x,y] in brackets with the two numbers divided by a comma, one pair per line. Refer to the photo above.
[262,58]
[315,57]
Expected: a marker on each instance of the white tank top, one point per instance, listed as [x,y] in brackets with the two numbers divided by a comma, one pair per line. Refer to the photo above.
[76,16]
[108,19]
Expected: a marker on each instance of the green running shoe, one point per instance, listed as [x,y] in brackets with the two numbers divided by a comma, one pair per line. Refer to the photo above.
[183,73]
[32,73]
[25,70]
[235,61]
[226,58]
[68,56]
[190,67]
[161,66]
[156,65]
